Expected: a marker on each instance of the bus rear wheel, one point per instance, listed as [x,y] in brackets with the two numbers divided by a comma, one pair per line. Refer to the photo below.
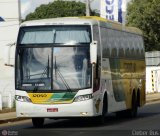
[131,113]
[134,110]
[38,122]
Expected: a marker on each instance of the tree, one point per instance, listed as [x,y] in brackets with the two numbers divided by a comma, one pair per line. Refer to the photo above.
[59,8]
[145,14]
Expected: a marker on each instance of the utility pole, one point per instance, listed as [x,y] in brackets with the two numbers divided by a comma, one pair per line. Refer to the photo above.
[19,11]
[87,8]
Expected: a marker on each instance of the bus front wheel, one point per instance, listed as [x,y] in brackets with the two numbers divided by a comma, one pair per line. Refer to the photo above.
[38,122]
[101,119]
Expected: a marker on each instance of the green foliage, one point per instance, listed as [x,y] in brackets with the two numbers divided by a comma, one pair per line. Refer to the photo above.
[59,8]
[145,14]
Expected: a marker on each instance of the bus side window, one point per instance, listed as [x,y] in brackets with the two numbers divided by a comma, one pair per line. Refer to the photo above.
[114,52]
[96,71]
[137,53]
[127,52]
[134,54]
[121,53]
[97,66]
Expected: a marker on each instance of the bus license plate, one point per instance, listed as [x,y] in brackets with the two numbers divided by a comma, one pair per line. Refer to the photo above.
[52,109]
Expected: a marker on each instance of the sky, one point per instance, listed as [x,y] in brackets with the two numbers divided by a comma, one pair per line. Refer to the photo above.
[28,6]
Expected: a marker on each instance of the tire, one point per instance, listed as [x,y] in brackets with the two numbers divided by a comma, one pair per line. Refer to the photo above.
[38,122]
[101,119]
[120,114]
[130,113]
[134,110]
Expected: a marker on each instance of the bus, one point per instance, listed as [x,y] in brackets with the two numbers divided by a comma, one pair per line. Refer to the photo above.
[78,67]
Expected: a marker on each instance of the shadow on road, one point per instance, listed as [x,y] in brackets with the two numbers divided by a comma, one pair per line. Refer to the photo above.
[110,120]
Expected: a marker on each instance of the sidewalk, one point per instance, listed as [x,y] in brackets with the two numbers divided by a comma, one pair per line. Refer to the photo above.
[11,116]
[152,97]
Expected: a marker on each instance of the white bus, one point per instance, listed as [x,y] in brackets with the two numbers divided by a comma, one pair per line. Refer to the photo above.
[78,67]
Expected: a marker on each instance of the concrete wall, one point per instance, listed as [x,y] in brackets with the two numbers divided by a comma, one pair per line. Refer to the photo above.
[9,11]
[152,71]
[152,58]
[151,86]
[8,34]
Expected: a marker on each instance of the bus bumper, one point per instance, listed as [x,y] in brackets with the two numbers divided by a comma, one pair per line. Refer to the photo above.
[75,109]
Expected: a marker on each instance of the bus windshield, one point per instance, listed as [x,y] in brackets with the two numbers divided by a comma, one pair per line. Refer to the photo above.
[54,34]
[56,68]
[53,58]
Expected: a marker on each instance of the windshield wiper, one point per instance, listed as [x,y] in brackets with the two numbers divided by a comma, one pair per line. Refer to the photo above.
[41,79]
[61,76]
[45,72]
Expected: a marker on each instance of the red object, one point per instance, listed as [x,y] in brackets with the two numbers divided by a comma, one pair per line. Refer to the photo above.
[52,109]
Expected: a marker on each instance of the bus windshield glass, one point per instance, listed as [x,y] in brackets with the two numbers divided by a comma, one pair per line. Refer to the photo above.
[53,68]
[54,34]
[53,58]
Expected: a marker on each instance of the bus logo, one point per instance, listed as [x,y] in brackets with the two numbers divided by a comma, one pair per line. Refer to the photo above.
[39,95]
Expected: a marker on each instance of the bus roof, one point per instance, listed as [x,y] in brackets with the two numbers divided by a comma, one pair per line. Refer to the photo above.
[115,25]
[84,20]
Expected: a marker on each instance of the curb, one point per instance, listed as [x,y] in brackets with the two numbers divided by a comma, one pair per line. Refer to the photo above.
[153,100]
[12,120]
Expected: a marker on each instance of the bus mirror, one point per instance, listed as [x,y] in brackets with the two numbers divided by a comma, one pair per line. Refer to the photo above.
[93,52]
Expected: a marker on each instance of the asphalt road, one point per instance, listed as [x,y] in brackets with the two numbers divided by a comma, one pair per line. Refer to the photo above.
[147,123]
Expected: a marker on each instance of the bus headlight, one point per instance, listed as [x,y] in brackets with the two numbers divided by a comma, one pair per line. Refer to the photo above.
[83,97]
[22,98]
